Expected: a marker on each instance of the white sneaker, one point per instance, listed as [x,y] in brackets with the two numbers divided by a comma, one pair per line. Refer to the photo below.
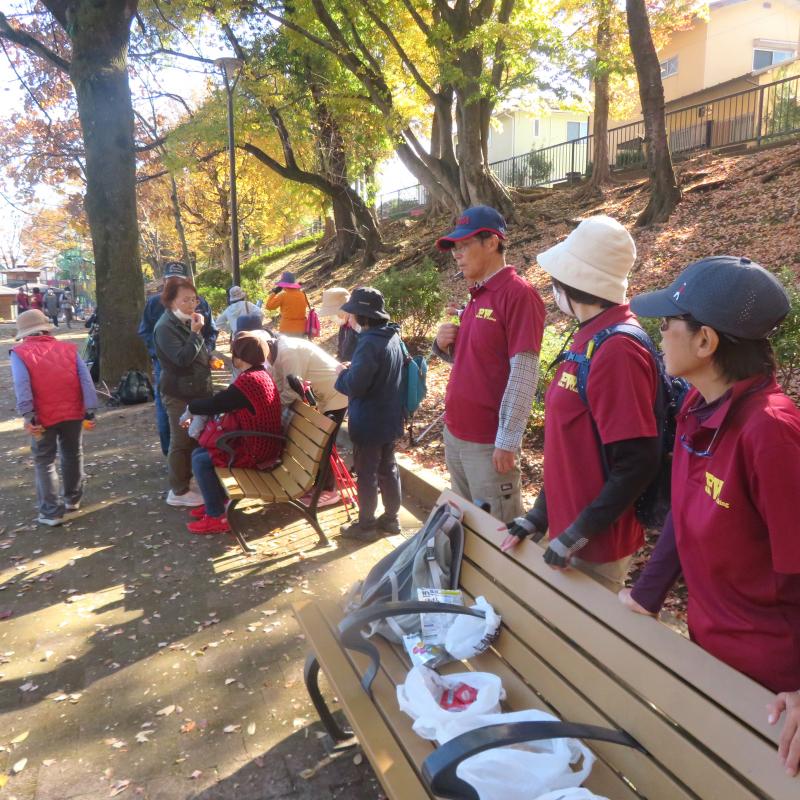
[72,507]
[189,499]
[51,521]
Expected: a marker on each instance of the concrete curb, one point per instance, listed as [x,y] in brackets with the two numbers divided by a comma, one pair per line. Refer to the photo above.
[422,485]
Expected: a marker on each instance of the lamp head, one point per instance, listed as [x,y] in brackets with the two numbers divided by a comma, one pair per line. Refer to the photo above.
[229,65]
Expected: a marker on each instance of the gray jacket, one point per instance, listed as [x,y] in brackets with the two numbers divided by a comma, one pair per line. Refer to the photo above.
[185,369]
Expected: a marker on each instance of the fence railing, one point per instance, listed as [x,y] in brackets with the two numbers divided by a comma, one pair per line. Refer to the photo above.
[762,114]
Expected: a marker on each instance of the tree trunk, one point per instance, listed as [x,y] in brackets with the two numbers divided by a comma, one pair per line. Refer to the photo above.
[665,193]
[601,170]
[347,239]
[99,32]
[180,230]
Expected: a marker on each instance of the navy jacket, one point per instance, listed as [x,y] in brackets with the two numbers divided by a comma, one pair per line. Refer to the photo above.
[153,311]
[372,383]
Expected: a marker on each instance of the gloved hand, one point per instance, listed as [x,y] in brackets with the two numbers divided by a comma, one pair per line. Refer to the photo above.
[276,290]
[518,529]
[522,527]
[561,549]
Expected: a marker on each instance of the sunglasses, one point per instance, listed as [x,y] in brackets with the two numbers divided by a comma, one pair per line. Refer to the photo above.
[707,453]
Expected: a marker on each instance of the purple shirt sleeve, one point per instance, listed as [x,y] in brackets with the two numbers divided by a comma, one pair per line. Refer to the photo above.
[87,386]
[660,572]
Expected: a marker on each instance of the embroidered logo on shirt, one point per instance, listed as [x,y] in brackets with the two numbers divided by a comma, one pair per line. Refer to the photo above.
[568,381]
[714,490]
[486,313]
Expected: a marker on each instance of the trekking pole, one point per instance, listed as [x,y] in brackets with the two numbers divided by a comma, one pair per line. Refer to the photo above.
[428,429]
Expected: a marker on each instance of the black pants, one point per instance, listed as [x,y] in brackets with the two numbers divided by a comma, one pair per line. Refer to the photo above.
[376,470]
[338,417]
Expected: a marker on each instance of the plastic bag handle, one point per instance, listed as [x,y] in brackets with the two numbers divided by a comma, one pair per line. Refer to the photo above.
[439,768]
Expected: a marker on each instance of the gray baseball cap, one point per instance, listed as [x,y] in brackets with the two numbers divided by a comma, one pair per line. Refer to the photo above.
[730,294]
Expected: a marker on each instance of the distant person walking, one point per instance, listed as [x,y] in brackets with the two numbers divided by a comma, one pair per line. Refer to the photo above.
[51,306]
[36,298]
[67,308]
[289,298]
[239,306]
[23,301]
[55,393]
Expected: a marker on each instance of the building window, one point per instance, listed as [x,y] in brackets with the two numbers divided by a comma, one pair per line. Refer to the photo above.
[536,127]
[669,67]
[767,58]
[577,130]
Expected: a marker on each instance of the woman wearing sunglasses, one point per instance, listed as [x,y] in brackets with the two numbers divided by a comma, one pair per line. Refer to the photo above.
[735,479]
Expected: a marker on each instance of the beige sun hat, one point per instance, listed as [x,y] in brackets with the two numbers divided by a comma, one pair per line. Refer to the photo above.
[596,257]
[333,300]
[32,321]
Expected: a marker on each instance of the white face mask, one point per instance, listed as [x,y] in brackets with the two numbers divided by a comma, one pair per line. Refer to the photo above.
[562,301]
[354,325]
[181,315]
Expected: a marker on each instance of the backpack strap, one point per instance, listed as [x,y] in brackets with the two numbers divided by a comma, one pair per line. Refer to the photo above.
[584,360]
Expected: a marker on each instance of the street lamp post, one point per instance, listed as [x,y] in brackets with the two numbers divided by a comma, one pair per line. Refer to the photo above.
[229,67]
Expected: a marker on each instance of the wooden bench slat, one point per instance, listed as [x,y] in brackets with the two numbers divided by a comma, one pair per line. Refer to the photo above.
[733,744]
[395,772]
[317,419]
[229,483]
[244,480]
[295,453]
[268,486]
[287,482]
[736,693]
[316,435]
[310,448]
[300,475]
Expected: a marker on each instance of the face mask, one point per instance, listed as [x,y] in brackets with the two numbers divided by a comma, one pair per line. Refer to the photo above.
[181,315]
[354,325]
[562,301]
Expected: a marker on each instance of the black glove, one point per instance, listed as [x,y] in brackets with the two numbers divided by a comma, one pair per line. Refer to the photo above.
[561,549]
[276,290]
[521,527]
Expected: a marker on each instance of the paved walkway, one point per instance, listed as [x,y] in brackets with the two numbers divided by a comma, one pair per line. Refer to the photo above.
[141,662]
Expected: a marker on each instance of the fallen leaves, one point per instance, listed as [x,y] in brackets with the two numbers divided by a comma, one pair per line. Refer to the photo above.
[166,711]
[118,787]
[20,738]
[231,728]
[19,766]
[188,726]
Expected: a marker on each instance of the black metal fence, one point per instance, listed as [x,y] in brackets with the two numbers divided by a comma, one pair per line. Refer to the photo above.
[762,114]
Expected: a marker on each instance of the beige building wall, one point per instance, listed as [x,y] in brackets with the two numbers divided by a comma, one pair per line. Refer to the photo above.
[519,132]
[735,30]
[689,47]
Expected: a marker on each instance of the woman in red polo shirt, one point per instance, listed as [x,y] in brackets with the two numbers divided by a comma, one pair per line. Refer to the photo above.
[735,477]
[602,450]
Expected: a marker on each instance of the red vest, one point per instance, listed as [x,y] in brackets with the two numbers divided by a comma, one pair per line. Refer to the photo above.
[259,388]
[53,369]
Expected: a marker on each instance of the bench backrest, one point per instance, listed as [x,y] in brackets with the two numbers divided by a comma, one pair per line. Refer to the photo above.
[567,645]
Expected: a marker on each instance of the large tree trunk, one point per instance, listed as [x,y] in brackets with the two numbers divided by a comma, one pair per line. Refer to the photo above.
[601,170]
[665,193]
[99,32]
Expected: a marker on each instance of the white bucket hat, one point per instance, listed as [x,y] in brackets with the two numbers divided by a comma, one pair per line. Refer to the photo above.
[32,321]
[596,257]
[236,293]
[333,300]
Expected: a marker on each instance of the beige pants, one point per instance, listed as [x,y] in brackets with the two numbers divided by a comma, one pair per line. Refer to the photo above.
[473,476]
[181,445]
[611,574]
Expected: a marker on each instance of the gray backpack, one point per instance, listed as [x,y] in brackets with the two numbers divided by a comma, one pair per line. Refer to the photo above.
[431,559]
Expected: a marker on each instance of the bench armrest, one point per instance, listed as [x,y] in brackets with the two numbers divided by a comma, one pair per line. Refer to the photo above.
[222,441]
[439,768]
[351,636]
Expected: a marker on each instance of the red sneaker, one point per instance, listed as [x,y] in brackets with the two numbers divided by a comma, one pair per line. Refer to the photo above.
[209,525]
[198,513]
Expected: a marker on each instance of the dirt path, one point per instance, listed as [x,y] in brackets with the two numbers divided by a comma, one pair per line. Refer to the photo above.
[139,661]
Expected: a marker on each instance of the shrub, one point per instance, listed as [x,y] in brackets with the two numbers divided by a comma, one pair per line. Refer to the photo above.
[629,158]
[216,296]
[259,262]
[538,167]
[413,297]
[553,341]
[786,342]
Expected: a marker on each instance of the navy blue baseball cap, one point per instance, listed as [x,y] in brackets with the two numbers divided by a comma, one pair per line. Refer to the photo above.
[176,269]
[732,295]
[471,222]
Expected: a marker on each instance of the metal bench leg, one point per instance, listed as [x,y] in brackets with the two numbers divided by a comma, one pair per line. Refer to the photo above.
[311,677]
[246,548]
[311,515]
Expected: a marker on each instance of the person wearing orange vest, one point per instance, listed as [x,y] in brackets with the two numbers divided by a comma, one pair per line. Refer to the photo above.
[288,297]
[54,394]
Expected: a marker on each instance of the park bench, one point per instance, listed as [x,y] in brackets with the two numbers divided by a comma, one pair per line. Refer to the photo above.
[683,725]
[305,457]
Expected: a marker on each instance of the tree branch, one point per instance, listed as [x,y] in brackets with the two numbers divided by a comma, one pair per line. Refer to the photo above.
[168,52]
[421,24]
[31,44]
[234,41]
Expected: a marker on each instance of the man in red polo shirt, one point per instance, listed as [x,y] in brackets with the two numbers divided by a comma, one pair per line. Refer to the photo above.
[495,355]
[601,451]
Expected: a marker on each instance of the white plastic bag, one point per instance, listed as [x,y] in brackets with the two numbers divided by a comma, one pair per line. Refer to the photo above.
[468,637]
[525,771]
[419,698]
[571,794]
